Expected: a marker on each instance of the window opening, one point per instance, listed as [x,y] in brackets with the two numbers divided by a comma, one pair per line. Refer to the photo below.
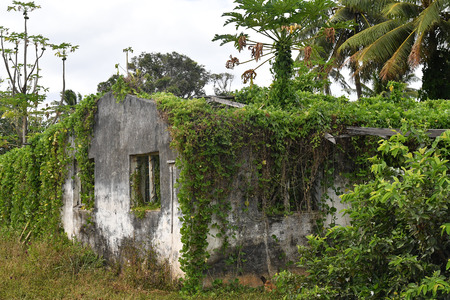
[145,181]
[87,185]
[76,186]
[83,184]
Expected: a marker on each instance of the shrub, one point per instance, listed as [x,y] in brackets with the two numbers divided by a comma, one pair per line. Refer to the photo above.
[398,243]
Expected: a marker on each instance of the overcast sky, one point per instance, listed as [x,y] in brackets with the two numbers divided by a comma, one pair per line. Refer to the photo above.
[103,28]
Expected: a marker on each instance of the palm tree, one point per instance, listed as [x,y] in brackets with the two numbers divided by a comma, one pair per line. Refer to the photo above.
[363,14]
[71,98]
[348,18]
[65,106]
[410,34]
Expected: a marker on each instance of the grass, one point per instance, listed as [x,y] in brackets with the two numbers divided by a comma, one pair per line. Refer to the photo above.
[59,269]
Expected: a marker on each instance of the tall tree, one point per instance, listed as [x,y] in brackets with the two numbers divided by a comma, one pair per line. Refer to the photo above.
[21,53]
[361,14]
[222,83]
[22,71]
[172,72]
[62,51]
[412,32]
[282,22]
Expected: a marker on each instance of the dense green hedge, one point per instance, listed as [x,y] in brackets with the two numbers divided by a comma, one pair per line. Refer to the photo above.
[31,177]
[398,244]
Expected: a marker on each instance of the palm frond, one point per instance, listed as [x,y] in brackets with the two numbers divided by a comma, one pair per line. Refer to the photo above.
[416,54]
[401,9]
[386,45]
[428,18]
[341,15]
[367,70]
[340,79]
[365,6]
[369,35]
[397,65]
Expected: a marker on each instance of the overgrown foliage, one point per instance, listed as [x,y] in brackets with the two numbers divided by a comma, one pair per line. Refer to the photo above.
[280,150]
[397,246]
[281,147]
[31,177]
[281,26]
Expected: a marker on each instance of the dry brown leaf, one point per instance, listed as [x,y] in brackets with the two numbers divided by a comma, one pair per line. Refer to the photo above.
[307,59]
[242,42]
[330,34]
[257,51]
[233,61]
[249,75]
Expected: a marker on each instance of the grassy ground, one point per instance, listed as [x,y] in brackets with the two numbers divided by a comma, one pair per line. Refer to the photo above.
[58,269]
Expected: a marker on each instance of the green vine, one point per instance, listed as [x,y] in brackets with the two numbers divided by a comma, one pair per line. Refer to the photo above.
[82,123]
[205,182]
[282,150]
[279,151]
[31,177]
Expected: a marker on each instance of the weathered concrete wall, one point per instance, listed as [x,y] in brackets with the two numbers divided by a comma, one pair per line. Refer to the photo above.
[259,244]
[132,127]
[262,245]
[265,245]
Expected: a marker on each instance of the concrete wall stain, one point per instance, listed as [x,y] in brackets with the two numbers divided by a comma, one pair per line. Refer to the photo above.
[134,127]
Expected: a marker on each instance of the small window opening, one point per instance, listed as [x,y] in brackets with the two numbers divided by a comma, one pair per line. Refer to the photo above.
[88,184]
[76,186]
[83,184]
[145,181]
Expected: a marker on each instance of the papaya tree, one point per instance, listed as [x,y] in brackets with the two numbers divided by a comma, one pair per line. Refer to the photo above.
[284,25]
[21,53]
[22,71]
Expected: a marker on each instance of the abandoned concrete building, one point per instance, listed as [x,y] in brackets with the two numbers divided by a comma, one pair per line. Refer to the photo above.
[130,138]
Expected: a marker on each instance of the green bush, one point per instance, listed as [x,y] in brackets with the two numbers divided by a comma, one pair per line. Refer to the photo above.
[398,244]
[31,177]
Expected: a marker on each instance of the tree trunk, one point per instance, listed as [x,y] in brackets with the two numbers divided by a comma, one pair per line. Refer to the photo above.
[63,93]
[358,86]
[24,130]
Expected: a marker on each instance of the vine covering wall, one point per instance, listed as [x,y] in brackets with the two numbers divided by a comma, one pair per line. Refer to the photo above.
[285,148]
[31,177]
[286,151]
